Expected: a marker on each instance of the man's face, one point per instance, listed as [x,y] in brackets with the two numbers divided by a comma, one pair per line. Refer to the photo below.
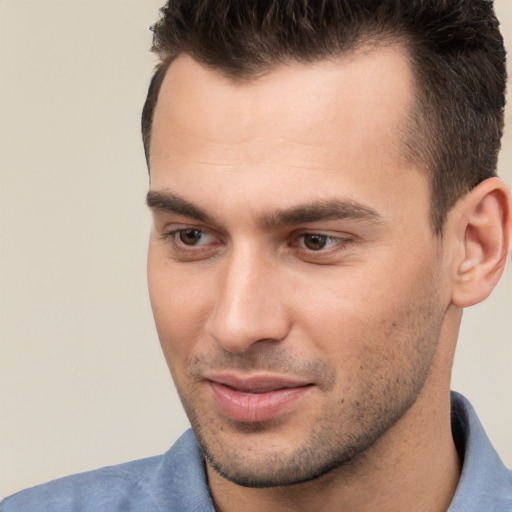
[293,272]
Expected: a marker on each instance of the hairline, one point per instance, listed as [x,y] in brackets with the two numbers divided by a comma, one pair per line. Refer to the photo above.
[412,144]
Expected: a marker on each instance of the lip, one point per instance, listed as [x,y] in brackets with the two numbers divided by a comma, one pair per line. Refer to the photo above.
[255,398]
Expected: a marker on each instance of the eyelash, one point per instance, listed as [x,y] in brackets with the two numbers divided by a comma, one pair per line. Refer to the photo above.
[320,237]
[297,241]
[175,235]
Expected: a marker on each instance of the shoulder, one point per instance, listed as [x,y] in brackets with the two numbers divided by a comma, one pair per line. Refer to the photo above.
[153,484]
[102,489]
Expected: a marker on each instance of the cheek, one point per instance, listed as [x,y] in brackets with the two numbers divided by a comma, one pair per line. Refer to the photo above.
[179,307]
[361,310]
[376,347]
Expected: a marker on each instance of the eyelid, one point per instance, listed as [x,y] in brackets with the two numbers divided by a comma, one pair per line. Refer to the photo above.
[324,233]
[328,241]
[341,241]
[175,231]
[170,235]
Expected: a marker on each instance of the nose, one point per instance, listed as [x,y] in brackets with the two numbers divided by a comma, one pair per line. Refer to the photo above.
[249,304]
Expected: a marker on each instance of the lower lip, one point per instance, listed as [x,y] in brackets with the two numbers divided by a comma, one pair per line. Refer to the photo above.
[254,407]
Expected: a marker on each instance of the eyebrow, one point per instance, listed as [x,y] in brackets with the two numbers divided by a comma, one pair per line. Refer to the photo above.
[172,203]
[334,209]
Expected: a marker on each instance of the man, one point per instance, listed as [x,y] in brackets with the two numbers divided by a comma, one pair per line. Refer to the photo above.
[323,189]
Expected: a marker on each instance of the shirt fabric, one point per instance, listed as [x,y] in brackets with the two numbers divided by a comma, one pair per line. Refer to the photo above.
[176,481]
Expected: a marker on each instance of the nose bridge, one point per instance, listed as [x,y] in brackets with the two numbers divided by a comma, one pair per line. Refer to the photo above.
[248,306]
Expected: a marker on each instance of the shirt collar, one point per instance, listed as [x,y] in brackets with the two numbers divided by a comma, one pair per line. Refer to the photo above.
[485,483]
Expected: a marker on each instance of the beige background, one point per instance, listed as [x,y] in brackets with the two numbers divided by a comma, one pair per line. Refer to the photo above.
[82,381]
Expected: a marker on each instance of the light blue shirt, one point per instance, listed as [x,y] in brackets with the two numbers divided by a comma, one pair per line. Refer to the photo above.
[176,481]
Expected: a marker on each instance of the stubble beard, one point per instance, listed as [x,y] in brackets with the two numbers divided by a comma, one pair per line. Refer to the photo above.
[346,428]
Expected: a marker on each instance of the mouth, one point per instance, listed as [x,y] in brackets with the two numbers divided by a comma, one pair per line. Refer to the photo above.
[255,398]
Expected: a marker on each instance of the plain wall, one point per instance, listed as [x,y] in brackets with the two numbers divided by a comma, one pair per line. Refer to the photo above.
[82,380]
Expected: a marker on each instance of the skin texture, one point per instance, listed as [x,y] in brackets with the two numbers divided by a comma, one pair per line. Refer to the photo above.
[309,258]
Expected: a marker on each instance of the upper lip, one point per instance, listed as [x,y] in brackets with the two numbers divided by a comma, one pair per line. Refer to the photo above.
[257,383]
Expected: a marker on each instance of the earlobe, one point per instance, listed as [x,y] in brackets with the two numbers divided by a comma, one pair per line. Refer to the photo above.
[485,235]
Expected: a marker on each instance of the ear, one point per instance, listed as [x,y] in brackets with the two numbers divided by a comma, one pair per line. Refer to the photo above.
[484,232]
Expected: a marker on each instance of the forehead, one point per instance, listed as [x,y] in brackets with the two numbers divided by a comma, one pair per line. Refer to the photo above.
[370,88]
[339,118]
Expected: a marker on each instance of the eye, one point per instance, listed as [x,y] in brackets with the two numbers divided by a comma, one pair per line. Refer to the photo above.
[192,237]
[190,243]
[317,241]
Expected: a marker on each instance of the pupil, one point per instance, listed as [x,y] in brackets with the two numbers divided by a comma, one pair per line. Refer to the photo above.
[190,236]
[315,242]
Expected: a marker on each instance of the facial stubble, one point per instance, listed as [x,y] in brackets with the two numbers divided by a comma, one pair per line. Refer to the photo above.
[345,428]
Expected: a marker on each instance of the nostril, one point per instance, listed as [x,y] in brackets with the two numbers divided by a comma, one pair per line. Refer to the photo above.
[239,336]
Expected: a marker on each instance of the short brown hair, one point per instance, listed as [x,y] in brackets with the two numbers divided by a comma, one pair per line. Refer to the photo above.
[455,48]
